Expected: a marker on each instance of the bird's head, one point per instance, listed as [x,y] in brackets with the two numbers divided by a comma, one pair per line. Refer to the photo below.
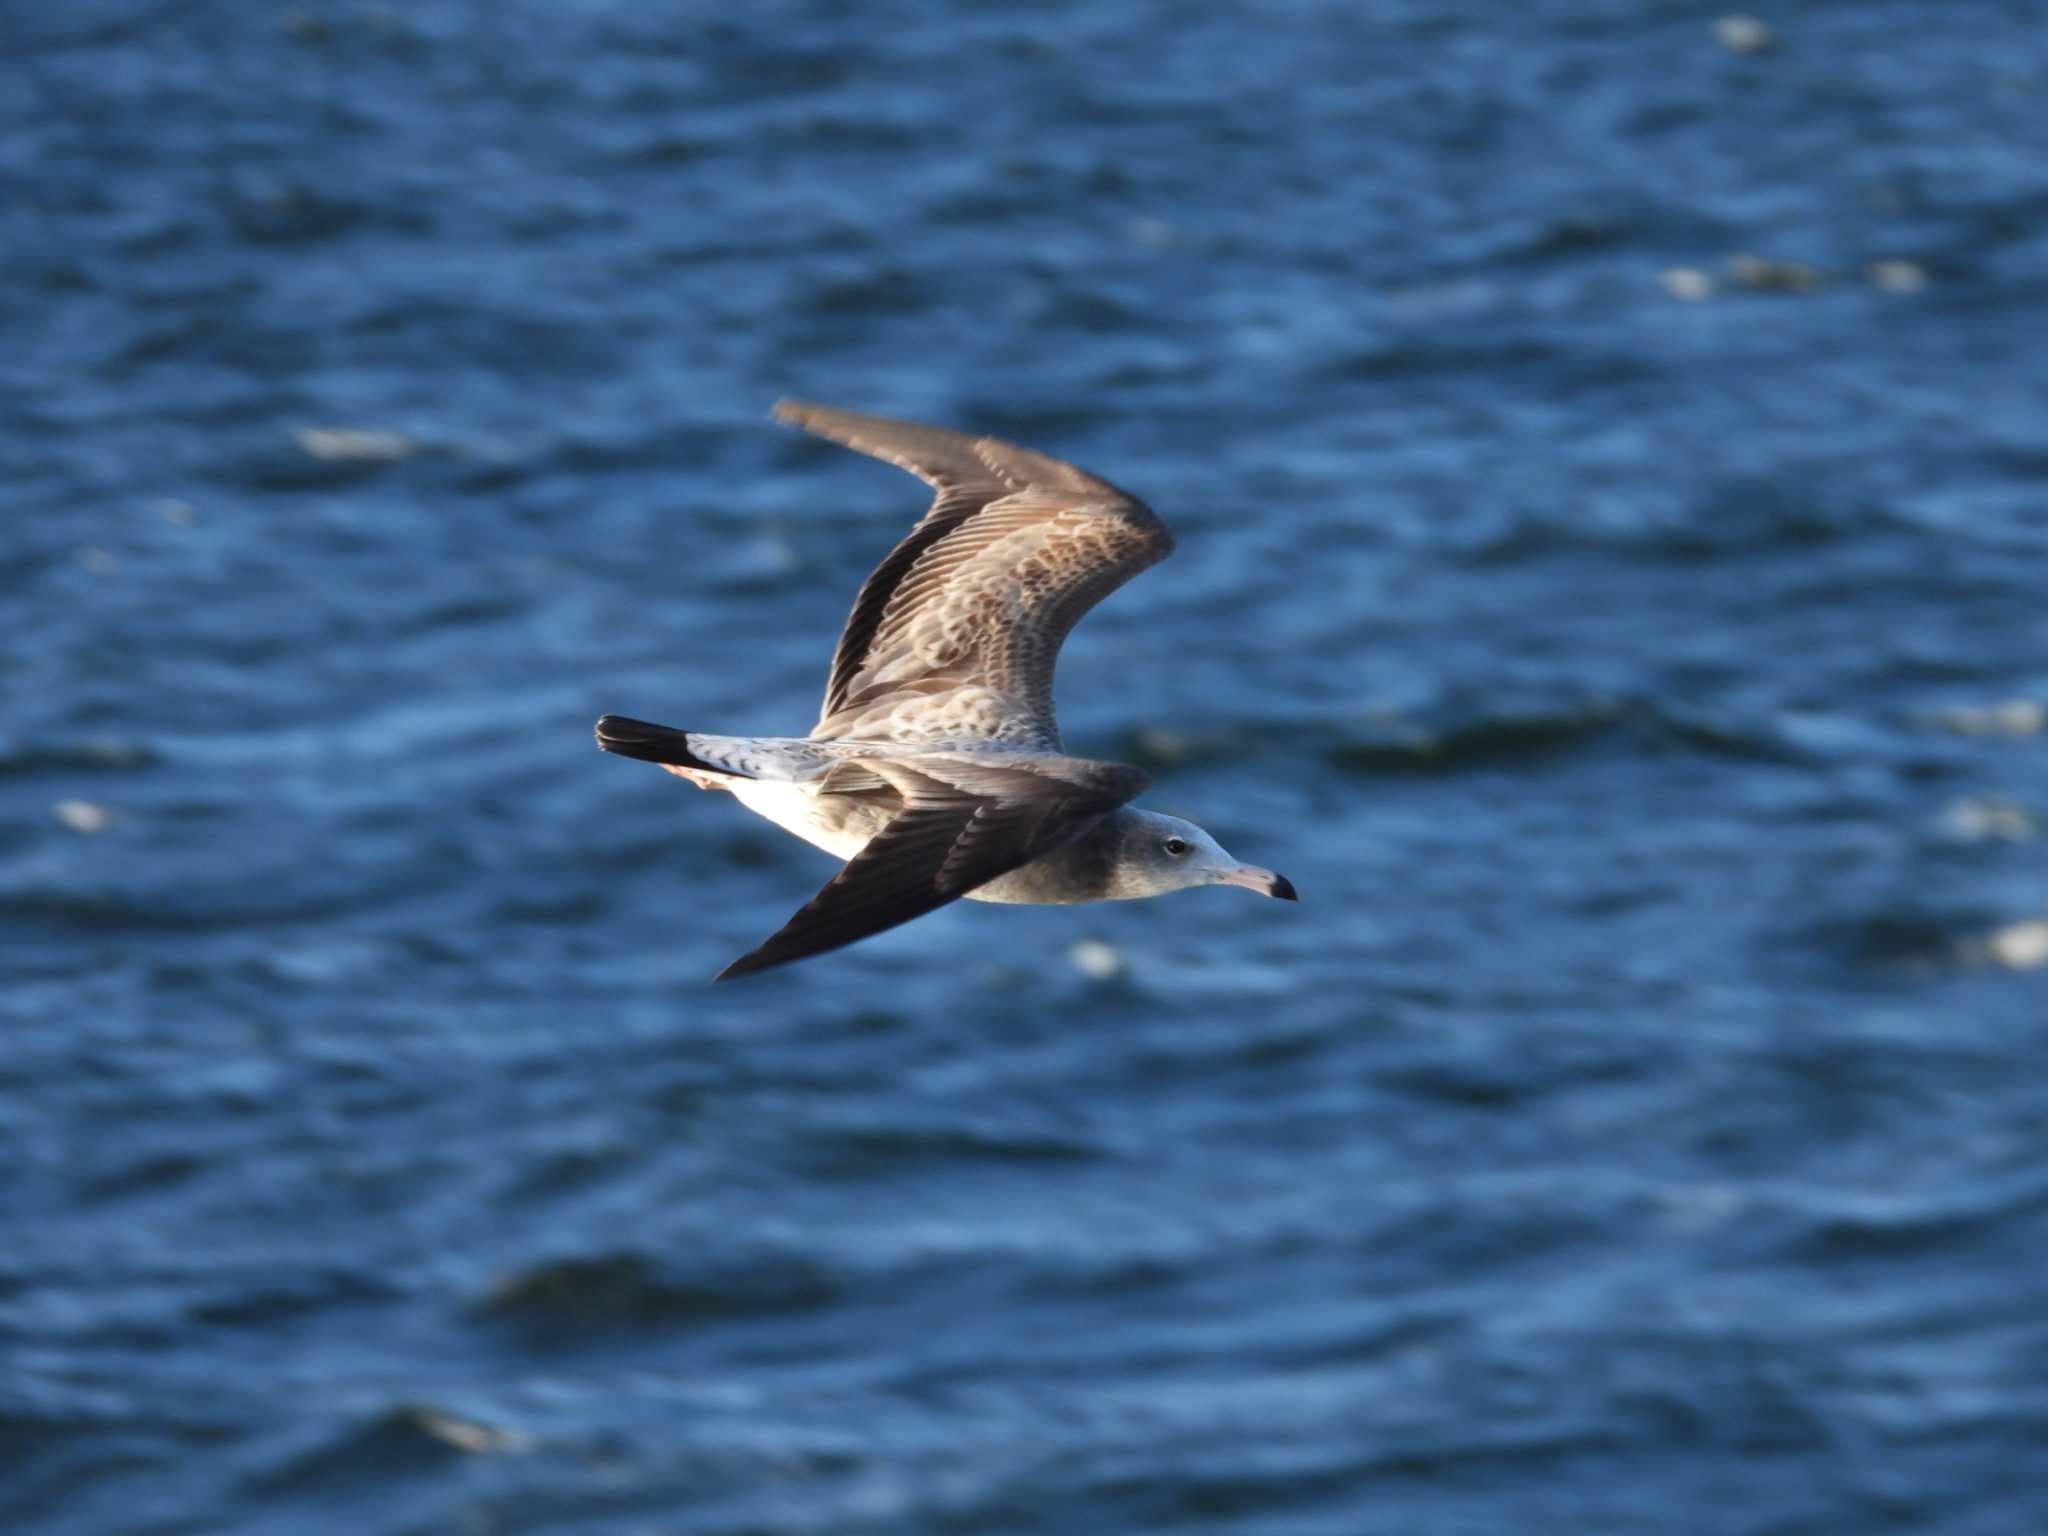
[1165,853]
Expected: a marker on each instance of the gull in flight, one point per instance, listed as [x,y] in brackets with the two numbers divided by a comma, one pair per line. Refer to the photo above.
[935,769]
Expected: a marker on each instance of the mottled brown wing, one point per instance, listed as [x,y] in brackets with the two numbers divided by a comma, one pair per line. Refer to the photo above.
[961,826]
[956,633]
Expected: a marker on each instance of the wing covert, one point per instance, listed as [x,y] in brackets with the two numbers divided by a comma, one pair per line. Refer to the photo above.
[957,631]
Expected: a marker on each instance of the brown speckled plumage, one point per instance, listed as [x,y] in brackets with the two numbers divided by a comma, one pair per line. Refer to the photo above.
[935,769]
[957,632]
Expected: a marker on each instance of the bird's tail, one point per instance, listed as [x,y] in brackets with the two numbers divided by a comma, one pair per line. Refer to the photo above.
[651,743]
[790,759]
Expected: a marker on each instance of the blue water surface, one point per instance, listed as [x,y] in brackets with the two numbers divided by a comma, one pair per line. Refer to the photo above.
[1608,444]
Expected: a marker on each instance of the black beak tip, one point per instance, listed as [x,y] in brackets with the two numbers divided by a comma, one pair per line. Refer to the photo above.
[1283,888]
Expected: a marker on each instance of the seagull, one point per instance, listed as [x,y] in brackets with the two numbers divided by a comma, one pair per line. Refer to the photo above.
[935,769]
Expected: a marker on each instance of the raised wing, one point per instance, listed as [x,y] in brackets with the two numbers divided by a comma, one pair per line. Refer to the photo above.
[962,824]
[956,633]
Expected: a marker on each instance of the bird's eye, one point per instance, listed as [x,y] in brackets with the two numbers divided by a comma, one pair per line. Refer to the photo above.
[1177,847]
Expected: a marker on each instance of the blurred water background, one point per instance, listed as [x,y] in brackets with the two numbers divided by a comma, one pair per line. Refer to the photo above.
[1608,442]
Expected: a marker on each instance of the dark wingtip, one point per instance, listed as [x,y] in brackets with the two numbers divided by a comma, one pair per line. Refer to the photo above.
[746,965]
[1283,888]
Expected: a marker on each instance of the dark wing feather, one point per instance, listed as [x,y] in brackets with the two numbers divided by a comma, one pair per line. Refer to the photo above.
[963,620]
[942,459]
[947,513]
[961,826]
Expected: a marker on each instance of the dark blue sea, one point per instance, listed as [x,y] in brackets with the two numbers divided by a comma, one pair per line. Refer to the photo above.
[1608,444]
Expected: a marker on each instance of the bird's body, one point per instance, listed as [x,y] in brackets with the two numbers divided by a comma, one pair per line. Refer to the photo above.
[1082,870]
[936,769]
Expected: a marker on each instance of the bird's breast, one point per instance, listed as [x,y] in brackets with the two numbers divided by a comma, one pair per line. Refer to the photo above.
[1074,872]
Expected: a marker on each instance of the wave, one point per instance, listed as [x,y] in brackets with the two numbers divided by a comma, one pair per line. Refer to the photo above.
[103,754]
[884,1150]
[629,1291]
[1493,739]
[407,1438]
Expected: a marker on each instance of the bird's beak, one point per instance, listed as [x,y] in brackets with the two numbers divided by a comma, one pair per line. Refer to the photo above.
[1264,881]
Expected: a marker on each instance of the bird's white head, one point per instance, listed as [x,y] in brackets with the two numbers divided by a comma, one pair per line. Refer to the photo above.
[1164,853]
